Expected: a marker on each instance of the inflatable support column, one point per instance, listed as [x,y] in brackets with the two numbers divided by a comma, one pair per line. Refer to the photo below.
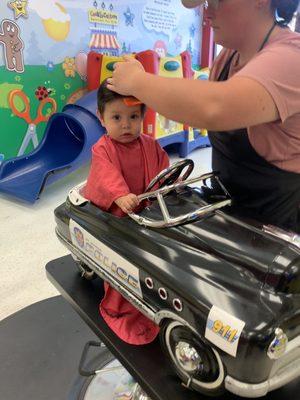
[66,146]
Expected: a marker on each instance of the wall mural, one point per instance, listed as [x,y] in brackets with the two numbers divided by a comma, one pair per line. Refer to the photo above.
[44,47]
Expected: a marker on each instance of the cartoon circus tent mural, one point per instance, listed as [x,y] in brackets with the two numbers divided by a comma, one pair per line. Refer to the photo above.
[103,40]
[105,43]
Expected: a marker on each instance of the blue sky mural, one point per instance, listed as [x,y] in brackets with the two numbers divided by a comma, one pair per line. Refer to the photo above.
[52,29]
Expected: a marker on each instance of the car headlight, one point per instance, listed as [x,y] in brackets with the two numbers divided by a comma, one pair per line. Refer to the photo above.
[278,345]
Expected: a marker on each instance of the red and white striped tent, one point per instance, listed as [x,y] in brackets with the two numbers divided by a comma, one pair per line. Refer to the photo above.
[104,41]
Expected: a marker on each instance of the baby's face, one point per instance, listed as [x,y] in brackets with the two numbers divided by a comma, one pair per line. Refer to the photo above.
[122,123]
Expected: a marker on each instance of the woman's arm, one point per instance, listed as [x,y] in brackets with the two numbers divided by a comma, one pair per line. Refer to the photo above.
[236,103]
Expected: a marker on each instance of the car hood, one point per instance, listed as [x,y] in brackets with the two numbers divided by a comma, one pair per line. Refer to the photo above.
[231,241]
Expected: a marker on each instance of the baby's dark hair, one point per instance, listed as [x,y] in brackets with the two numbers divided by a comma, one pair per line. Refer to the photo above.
[284,10]
[105,95]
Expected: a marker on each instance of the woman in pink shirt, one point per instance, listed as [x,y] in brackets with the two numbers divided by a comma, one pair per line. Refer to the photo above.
[251,105]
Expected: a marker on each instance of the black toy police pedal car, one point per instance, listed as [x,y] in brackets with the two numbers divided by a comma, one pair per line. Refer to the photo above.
[226,292]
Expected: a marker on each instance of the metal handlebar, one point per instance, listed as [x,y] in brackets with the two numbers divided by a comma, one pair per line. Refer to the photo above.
[78,199]
[168,221]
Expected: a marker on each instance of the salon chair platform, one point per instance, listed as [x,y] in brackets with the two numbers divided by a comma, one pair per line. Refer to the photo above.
[145,363]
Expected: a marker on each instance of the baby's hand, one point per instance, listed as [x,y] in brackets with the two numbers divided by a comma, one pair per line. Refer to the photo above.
[127,203]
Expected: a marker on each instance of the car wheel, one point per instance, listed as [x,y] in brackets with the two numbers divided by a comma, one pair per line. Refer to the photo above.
[197,364]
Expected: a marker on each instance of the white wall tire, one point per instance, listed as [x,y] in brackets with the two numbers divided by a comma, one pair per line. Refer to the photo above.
[197,364]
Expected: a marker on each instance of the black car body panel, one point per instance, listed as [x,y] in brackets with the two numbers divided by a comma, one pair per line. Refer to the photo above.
[218,261]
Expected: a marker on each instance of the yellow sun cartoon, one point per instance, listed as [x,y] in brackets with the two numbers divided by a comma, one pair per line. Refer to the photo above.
[58,27]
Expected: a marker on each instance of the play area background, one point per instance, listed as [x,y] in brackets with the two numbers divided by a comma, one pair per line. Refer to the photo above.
[54,38]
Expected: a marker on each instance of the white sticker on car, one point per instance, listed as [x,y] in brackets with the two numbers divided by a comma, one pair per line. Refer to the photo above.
[224,330]
[117,266]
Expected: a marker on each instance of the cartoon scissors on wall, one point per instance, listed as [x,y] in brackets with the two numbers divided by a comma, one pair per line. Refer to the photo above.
[25,114]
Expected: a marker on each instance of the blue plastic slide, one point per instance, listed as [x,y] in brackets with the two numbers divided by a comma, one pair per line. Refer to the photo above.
[66,145]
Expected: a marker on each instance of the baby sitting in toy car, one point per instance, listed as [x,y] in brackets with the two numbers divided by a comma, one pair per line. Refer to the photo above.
[124,161]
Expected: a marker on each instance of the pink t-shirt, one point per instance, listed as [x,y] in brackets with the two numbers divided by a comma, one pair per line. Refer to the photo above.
[277,68]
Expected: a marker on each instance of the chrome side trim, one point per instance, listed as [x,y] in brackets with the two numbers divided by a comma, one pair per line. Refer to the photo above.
[166,314]
[288,236]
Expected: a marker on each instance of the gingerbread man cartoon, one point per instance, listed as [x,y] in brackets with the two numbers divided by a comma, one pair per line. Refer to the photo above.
[13,45]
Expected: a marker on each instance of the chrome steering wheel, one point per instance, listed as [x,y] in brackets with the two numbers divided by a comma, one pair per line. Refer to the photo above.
[170,175]
[77,199]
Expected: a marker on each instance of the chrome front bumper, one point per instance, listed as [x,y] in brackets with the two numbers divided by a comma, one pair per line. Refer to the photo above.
[285,370]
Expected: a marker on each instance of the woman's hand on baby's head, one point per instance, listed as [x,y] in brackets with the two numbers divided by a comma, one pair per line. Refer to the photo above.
[124,76]
[127,203]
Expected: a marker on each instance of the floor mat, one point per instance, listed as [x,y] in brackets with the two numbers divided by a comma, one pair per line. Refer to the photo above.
[40,349]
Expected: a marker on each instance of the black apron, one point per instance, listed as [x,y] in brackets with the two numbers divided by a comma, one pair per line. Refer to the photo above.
[260,190]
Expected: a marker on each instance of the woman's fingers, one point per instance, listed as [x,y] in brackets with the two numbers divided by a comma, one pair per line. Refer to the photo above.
[124,76]
[110,83]
[126,57]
